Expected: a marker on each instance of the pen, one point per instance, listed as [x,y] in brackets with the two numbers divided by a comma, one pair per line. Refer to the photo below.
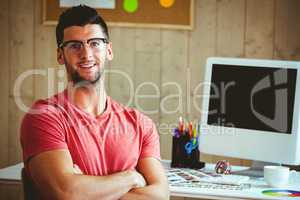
[180,125]
[191,129]
[198,129]
[194,136]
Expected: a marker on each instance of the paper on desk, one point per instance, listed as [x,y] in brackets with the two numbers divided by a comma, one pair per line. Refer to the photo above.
[106,4]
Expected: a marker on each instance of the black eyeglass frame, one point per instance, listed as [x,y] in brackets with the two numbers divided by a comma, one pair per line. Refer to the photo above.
[63,44]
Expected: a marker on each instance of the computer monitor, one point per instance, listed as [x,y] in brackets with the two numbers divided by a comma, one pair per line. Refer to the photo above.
[250,110]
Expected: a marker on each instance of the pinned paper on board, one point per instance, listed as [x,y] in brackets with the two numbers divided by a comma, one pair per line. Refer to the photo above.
[130,6]
[169,14]
[105,4]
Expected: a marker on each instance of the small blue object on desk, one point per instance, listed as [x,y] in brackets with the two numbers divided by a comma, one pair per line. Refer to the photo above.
[190,146]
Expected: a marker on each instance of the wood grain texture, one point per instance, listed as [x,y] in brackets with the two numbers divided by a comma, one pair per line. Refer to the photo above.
[120,71]
[21,44]
[4,86]
[147,83]
[259,29]
[11,192]
[147,72]
[230,28]
[45,62]
[287,29]
[173,84]
[16,113]
[21,14]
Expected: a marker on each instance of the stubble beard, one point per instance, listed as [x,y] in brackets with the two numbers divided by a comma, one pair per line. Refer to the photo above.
[77,79]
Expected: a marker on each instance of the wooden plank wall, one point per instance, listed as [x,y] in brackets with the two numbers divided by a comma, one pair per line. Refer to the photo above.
[153,63]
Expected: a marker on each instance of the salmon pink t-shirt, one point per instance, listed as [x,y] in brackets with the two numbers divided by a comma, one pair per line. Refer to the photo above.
[112,142]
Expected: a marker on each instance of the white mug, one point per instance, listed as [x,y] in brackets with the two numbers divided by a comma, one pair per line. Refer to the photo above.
[276,176]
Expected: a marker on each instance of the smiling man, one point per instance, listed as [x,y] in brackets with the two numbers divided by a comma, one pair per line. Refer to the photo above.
[80,143]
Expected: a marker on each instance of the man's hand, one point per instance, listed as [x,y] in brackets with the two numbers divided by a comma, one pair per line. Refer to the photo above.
[157,184]
[76,169]
[139,180]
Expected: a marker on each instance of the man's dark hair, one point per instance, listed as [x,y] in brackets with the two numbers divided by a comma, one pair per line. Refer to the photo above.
[78,16]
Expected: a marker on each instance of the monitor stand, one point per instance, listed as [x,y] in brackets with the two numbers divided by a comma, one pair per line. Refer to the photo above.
[256,170]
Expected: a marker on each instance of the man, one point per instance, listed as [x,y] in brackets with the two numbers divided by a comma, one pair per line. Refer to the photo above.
[81,144]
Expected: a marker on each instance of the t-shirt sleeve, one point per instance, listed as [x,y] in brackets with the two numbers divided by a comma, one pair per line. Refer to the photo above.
[41,131]
[150,144]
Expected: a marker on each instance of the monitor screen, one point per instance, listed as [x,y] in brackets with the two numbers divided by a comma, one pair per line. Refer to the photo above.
[251,109]
[260,98]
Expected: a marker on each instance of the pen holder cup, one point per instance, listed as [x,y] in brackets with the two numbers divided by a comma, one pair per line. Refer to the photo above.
[185,153]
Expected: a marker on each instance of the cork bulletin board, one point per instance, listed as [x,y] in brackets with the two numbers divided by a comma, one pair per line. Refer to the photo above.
[149,14]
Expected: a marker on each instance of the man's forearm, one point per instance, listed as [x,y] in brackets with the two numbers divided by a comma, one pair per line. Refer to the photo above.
[56,177]
[151,192]
[93,187]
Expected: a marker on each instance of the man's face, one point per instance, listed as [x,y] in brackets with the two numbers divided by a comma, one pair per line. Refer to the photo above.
[84,54]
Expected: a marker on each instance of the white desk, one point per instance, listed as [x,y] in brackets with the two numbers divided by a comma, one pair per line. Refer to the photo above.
[12,175]
[254,192]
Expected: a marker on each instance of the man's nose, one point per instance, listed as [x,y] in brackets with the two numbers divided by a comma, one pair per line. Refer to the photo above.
[86,52]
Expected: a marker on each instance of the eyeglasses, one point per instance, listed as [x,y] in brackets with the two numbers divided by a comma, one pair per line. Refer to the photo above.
[76,46]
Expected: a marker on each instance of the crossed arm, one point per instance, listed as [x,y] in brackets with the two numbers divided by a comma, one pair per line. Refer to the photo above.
[53,173]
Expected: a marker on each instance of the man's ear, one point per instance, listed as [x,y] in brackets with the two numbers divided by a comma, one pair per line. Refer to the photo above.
[109,53]
[60,56]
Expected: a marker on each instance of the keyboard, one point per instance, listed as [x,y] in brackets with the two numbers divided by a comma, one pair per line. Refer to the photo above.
[214,186]
[227,179]
[183,177]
